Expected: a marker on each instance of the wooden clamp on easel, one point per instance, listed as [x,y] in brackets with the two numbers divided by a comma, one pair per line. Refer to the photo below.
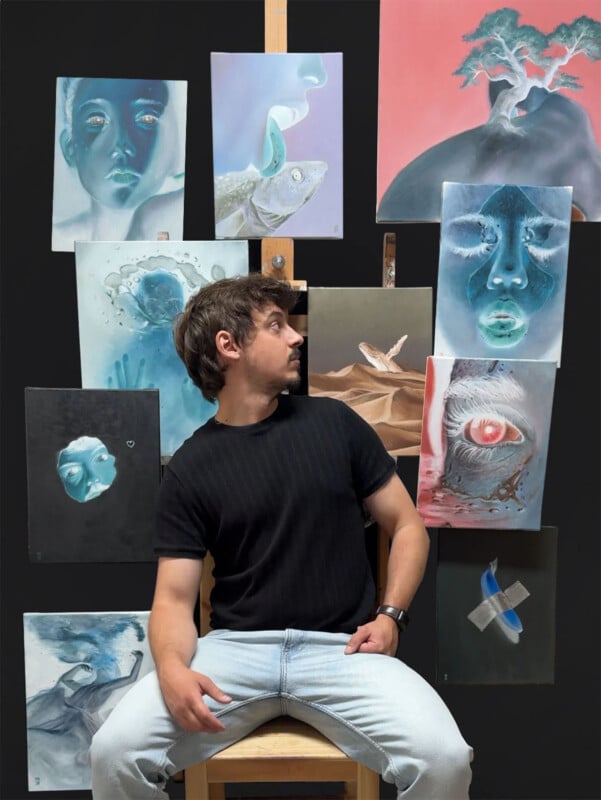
[277,255]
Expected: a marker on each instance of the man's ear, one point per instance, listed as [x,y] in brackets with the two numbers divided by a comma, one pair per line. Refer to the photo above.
[66,143]
[227,348]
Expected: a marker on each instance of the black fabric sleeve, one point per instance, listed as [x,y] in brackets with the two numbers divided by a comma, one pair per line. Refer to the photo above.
[372,464]
[180,524]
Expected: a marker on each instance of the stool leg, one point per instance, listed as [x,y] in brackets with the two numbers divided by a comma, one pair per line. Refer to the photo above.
[368,784]
[197,786]
[350,790]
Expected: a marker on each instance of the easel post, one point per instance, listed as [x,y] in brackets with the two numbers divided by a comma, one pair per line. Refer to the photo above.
[277,254]
[388,281]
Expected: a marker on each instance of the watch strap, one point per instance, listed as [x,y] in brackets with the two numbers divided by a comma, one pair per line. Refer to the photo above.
[399,615]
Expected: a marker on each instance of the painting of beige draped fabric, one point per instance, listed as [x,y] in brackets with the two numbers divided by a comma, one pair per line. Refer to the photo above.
[368,347]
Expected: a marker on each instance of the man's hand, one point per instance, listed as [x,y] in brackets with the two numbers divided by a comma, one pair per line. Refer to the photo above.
[183,691]
[381,635]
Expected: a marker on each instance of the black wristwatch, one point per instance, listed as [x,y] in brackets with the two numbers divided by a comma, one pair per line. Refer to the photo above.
[399,615]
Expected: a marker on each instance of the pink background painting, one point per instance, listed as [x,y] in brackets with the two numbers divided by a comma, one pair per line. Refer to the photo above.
[420,102]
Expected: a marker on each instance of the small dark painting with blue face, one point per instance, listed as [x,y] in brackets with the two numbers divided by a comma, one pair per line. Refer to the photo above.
[93,471]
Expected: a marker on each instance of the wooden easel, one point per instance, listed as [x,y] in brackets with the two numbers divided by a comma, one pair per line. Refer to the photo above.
[388,281]
[277,254]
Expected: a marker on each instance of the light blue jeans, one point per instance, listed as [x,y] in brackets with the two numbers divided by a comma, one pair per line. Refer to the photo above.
[374,707]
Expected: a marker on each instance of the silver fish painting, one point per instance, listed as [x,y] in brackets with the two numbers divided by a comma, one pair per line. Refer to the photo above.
[248,205]
[286,113]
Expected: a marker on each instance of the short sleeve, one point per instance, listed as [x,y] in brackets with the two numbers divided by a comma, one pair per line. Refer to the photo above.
[372,464]
[180,523]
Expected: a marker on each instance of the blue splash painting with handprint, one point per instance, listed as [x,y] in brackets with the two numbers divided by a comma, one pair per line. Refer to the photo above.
[128,294]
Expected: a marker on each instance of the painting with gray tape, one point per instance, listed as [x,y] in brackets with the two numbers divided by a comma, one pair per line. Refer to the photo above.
[495,606]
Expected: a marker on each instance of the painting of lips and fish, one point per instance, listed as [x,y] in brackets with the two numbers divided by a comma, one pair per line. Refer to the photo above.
[368,347]
[502,271]
[119,160]
[128,294]
[277,144]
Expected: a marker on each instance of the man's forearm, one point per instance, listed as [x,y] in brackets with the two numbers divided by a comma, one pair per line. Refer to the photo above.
[172,635]
[406,565]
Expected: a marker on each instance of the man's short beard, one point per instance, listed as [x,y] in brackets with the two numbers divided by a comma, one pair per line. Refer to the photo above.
[294,383]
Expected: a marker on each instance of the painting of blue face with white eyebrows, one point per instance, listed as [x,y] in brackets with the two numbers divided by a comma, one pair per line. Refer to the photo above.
[86,468]
[118,159]
[502,271]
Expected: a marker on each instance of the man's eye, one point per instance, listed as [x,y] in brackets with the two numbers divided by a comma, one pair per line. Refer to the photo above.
[101,457]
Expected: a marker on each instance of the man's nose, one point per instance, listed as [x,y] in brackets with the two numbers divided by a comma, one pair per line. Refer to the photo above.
[294,337]
[508,269]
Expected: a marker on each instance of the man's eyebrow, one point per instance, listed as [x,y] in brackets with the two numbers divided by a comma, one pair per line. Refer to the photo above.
[275,313]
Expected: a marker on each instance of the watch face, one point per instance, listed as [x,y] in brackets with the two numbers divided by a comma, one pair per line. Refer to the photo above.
[402,619]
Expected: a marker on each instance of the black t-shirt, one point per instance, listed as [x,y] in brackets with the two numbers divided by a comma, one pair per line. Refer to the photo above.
[279,506]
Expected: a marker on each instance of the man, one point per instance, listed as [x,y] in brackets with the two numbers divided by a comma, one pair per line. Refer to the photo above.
[275,487]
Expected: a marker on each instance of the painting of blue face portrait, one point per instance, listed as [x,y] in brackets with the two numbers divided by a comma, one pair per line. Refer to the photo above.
[128,295]
[93,469]
[77,667]
[502,271]
[119,160]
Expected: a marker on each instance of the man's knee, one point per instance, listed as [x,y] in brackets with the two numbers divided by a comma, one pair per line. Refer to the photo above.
[108,746]
[453,760]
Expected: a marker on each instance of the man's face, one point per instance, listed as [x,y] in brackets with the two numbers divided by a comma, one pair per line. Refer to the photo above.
[271,355]
[116,124]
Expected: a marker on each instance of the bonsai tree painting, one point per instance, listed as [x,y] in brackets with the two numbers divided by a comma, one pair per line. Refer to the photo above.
[520,57]
[536,134]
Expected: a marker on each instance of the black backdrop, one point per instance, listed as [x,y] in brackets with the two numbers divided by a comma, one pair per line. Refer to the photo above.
[530,741]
